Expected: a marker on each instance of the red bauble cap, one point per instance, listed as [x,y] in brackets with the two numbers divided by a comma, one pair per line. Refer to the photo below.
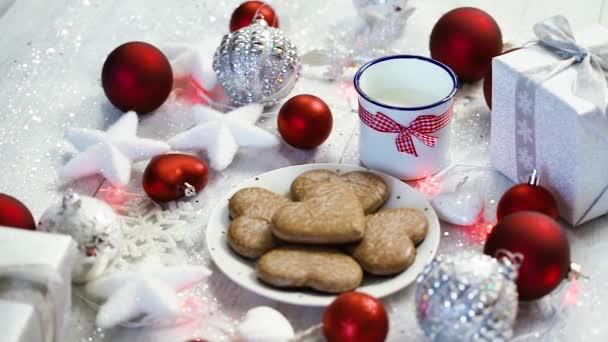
[169,177]
[305,121]
[355,317]
[527,197]
[544,247]
[137,76]
[15,214]
[246,13]
[466,39]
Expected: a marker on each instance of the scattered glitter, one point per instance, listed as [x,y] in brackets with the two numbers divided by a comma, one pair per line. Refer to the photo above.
[429,186]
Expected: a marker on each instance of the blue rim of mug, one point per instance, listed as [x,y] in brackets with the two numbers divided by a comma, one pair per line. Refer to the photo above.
[456,83]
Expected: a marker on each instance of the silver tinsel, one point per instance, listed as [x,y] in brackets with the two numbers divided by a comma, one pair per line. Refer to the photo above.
[378,11]
[95,228]
[468,297]
[352,43]
[256,64]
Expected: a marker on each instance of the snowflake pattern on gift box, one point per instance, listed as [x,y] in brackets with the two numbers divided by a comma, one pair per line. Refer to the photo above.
[525,132]
[525,103]
[525,158]
[525,142]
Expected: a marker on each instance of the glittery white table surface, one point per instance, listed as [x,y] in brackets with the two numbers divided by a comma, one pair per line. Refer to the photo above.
[51,62]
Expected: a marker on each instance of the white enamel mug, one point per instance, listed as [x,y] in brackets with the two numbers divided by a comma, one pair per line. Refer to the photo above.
[405,110]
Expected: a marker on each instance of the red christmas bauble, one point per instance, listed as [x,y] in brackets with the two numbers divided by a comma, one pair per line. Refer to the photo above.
[169,177]
[487,82]
[137,76]
[355,317]
[466,39]
[305,121]
[543,245]
[246,13]
[15,214]
[527,197]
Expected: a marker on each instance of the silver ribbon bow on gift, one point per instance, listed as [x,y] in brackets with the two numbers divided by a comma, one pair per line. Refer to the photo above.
[555,35]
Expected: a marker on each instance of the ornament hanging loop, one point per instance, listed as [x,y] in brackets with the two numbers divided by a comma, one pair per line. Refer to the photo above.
[576,271]
[515,259]
[259,19]
[70,201]
[534,178]
[510,261]
[189,190]
[461,183]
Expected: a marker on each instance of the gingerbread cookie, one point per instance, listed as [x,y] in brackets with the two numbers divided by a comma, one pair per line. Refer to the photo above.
[328,214]
[388,246]
[251,237]
[321,269]
[255,203]
[310,180]
[250,234]
[370,189]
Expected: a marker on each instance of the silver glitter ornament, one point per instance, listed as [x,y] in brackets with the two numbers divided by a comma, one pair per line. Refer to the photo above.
[256,64]
[468,297]
[95,228]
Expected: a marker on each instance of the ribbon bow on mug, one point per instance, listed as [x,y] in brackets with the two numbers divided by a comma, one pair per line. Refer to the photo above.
[420,128]
[555,35]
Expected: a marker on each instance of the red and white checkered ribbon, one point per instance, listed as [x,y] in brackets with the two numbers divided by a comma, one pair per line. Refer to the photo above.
[420,128]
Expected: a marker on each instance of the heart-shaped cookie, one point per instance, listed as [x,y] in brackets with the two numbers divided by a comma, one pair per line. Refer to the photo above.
[330,213]
[370,189]
[250,234]
[310,180]
[251,237]
[388,246]
[316,268]
[255,203]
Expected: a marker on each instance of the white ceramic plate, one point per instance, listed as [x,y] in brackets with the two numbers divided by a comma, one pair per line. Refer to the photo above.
[242,271]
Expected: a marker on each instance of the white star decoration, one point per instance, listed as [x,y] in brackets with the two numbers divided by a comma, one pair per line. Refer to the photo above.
[109,153]
[187,60]
[145,295]
[221,135]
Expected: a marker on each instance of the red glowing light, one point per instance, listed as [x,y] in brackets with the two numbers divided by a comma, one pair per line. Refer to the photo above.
[347,90]
[571,296]
[190,91]
[191,304]
[429,186]
[115,196]
[478,233]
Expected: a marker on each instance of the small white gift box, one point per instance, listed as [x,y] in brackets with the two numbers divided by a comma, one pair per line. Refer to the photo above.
[35,285]
[538,122]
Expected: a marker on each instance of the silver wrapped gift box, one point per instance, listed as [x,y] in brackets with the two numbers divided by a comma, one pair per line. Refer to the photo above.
[547,114]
